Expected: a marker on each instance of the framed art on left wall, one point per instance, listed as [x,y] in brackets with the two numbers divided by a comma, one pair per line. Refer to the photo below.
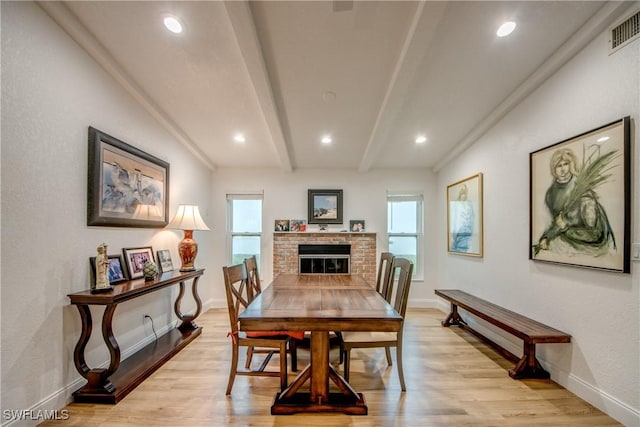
[126,187]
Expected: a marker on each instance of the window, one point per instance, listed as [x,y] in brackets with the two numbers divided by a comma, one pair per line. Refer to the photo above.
[404,227]
[245,226]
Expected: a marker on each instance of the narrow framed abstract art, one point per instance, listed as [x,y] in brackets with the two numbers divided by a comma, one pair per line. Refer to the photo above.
[580,200]
[464,217]
[126,186]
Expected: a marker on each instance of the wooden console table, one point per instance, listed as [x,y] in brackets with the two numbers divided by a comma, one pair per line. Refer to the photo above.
[112,384]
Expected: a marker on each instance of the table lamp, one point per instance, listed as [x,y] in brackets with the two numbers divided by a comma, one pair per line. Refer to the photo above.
[188,219]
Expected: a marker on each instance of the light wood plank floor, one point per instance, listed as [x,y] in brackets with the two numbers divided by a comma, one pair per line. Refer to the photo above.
[452,378]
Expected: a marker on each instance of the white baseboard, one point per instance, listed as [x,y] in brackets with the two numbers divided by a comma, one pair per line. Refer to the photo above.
[608,404]
[53,404]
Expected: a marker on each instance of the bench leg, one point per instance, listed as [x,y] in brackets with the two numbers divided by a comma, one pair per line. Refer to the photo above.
[453,318]
[528,366]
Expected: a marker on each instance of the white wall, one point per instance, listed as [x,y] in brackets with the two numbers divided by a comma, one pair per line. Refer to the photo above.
[51,92]
[599,309]
[285,197]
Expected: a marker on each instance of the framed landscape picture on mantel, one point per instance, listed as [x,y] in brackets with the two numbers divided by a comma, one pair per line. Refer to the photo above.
[325,207]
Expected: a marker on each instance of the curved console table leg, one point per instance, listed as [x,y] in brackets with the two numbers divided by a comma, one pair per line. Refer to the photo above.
[78,352]
[188,320]
[110,339]
[97,378]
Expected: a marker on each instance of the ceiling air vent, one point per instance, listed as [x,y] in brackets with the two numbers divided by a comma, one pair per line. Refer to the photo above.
[624,33]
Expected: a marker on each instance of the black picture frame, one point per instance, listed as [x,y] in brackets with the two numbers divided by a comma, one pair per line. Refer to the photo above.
[584,219]
[281,225]
[135,259]
[324,207]
[126,187]
[356,225]
[117,270]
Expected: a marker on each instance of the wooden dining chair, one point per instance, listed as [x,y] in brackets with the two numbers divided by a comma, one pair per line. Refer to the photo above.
[253,277]
[384,282]
[254,288]
[384,286]
[351,340]
[236,287]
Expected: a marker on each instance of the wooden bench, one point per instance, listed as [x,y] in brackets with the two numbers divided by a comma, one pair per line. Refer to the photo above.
[530,331]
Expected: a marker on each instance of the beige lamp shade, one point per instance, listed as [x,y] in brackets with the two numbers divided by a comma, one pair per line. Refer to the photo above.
[187,218]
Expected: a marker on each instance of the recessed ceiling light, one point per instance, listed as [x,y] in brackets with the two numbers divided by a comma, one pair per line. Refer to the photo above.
[603,139]
[506,29]
[421,139]
[238,137]
[326,139]
[173,24]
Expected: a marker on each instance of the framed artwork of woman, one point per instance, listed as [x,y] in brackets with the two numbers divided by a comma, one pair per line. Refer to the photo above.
[580,200]
[464,217]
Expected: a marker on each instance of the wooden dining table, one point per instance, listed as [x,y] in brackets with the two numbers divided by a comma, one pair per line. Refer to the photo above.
[319,304]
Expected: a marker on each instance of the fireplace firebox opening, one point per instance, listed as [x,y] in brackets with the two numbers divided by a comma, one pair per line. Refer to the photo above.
[324,259]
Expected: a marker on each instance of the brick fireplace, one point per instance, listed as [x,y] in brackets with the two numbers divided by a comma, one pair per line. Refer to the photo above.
[362,257]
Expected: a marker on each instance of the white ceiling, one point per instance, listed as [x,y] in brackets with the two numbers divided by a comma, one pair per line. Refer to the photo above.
[374,75]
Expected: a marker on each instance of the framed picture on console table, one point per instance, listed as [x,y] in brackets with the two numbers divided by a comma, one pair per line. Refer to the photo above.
[324,207]
[136,258]
[164,259]
[126,186]
[580,200]
[117,270]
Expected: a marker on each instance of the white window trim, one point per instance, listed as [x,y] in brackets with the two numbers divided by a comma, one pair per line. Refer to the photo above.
[419,234]
[230,233]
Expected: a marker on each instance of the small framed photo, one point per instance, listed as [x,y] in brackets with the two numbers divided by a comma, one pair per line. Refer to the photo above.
[281,225]
[136,258]
[324,206]
[117,270]
[164,259]
[464,216]
[356,225]
[298,225]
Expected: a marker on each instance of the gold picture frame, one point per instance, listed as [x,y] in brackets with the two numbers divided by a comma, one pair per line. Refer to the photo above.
[464,217]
